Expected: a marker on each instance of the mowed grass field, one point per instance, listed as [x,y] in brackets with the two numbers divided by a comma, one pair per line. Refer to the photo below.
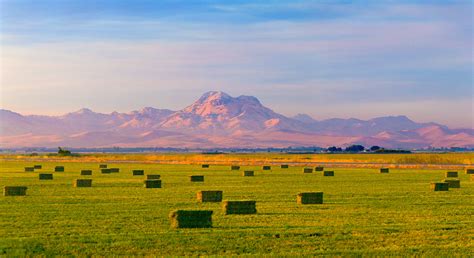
[364,212]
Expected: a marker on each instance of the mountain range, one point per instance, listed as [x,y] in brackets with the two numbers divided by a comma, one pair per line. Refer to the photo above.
[219,120]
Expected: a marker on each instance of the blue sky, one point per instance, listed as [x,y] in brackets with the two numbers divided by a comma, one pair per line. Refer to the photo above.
[326,58]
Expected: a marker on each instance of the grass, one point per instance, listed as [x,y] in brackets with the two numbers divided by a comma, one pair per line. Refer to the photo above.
[364,212]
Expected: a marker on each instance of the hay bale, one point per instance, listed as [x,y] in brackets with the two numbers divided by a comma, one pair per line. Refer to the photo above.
[37,166]
[152,183]
[114,170]
[86,172]
[83,183]
[209,196]
[384,170]
[196,178]
[453,182]
[59,169]
[14,190]
[45,176]
[138,172]
[328,173]
[284,166]
[319,168]
[29,169]
[452,174]
[205,166]
[470,171]
[266,167]
[307,170]
[102,165]
[239,207]
[248,173]
[233,167]
[440,186]
[153,176]
[105,171]
[191,219]
[310,198]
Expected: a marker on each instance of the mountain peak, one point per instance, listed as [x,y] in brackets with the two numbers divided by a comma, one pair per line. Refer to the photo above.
[148,110]
[153,112]
[212,102]
[304,118]
[219,103]
[83,111]
[214,95]
[400,118]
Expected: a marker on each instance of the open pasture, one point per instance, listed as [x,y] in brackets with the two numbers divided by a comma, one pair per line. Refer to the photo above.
[365,212]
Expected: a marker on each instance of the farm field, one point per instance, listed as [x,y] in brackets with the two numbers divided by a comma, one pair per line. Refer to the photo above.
[364,212]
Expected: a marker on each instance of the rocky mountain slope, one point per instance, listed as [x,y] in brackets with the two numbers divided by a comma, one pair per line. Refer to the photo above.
[219,120]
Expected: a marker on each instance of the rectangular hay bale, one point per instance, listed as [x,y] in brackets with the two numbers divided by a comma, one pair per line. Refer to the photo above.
[310,198]
[328,173]
[440,186]
[209,196]
[59,169]
[14,190]
[83,183]
[102,165]
[205,166]
[453,183]
[319,168]
[152,183]
[307,170]
[29,169]
[138,172]
[284,166]
[191,219]
[266,167]
[45,176]
[196,178]
[233,167]
[384,170]
[248,173]
[469,170]
[105,171]
[86,172]
[114,170]
[37,166]
[239,207]
[452,174]
[153,176]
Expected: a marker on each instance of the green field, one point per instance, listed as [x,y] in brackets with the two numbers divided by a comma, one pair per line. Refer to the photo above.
[364,212]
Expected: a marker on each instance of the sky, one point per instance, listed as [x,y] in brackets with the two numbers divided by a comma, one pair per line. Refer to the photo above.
[360,59]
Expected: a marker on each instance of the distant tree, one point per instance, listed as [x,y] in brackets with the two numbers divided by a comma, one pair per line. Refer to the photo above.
[355,148]
[334,149]
[62,152]
[375,148]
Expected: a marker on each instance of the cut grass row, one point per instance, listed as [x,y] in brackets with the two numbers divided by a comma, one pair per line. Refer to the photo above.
[262,158]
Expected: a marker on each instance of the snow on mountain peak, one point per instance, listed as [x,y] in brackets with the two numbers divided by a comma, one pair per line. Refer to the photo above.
[217,103]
